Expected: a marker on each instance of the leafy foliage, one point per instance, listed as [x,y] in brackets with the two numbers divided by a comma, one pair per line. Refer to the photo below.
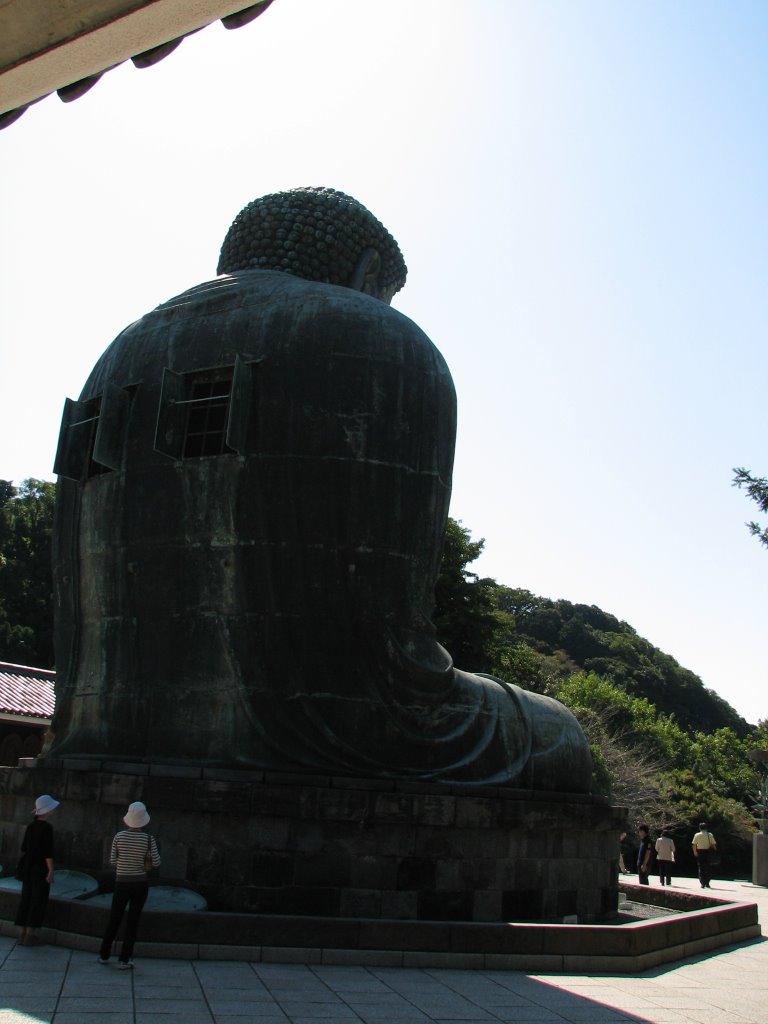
[626,771]
[466,617]
[757,489]
[26,584]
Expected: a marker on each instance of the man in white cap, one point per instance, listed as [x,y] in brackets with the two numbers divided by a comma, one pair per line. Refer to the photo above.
[134,852]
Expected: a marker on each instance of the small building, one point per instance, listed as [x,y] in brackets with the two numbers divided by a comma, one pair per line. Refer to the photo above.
[26,709]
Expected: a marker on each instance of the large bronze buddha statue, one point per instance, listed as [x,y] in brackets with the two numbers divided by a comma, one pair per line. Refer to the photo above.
[254,488]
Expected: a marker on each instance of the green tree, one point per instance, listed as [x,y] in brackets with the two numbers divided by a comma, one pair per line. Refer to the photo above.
[26,582]
[720,758]
[757,489]
[633,720]
[688,800]
[644,761]
[466,618]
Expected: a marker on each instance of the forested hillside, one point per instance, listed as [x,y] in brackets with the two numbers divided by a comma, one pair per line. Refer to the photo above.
[598,642]
[513,633]
[664,746]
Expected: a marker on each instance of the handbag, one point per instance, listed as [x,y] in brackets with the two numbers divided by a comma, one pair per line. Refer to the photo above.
[148,865]
[21,868]
[714,856]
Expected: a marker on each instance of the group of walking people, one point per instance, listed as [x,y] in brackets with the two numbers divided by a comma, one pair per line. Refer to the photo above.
[703,846]
[134,853]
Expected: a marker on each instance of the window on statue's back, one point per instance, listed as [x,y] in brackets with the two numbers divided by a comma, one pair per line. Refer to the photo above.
[206,421]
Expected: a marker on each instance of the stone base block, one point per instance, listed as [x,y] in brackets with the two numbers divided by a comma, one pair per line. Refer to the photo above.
[336,847]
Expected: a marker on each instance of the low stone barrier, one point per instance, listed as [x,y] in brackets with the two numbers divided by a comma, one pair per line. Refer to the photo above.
[499,946]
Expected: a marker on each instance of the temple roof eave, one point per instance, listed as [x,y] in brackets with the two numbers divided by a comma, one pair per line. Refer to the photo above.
[66,47]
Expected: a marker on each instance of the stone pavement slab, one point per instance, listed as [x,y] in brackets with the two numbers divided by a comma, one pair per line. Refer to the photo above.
[52,985]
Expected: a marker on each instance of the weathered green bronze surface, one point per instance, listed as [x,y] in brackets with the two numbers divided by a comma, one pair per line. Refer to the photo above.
[254,487]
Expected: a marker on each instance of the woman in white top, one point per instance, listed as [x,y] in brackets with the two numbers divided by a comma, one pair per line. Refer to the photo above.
[665,857]
[132,851]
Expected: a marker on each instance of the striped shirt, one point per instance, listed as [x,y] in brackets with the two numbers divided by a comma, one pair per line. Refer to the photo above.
[129,849]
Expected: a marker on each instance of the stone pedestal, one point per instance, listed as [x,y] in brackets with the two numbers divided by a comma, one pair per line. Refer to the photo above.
[336,847]
[760,859]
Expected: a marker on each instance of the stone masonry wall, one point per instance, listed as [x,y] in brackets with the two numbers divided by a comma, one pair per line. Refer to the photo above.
[339,847]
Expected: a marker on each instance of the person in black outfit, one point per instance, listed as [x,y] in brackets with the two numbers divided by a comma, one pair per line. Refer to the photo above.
[37,847]
[644,855]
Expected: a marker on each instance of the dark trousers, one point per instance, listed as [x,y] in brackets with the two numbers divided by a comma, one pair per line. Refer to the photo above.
[642,876]
[132,895]
[665,871]
[34,900]
[705,868]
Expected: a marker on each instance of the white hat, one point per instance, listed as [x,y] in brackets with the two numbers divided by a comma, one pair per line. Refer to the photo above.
[136,815]
[44,805]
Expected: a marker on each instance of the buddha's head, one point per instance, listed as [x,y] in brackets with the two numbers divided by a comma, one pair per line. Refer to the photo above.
[319,234]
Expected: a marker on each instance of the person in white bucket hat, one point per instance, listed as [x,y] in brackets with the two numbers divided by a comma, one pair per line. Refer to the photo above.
[136,816]
[134,852]
[36,870]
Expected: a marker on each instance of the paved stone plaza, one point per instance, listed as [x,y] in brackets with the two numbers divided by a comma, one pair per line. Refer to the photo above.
[59,986]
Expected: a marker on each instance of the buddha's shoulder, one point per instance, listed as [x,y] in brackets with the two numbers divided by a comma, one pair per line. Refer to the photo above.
[268,294]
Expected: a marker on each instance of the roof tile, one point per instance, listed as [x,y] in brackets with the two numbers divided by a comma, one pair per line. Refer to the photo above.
[26,691]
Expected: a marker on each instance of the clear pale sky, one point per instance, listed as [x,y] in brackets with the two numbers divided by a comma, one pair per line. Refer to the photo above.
[580,190]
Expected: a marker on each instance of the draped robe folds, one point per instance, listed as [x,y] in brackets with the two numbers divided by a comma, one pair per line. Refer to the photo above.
[270,606]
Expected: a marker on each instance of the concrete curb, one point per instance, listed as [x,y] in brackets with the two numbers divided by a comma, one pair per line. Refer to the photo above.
[630,947]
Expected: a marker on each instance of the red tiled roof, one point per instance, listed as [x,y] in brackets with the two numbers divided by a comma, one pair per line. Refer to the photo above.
[26,691]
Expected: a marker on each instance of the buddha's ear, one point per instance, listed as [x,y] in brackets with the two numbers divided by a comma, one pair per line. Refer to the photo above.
[366,274]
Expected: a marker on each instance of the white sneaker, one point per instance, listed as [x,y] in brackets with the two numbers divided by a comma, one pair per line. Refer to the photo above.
[125,965]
